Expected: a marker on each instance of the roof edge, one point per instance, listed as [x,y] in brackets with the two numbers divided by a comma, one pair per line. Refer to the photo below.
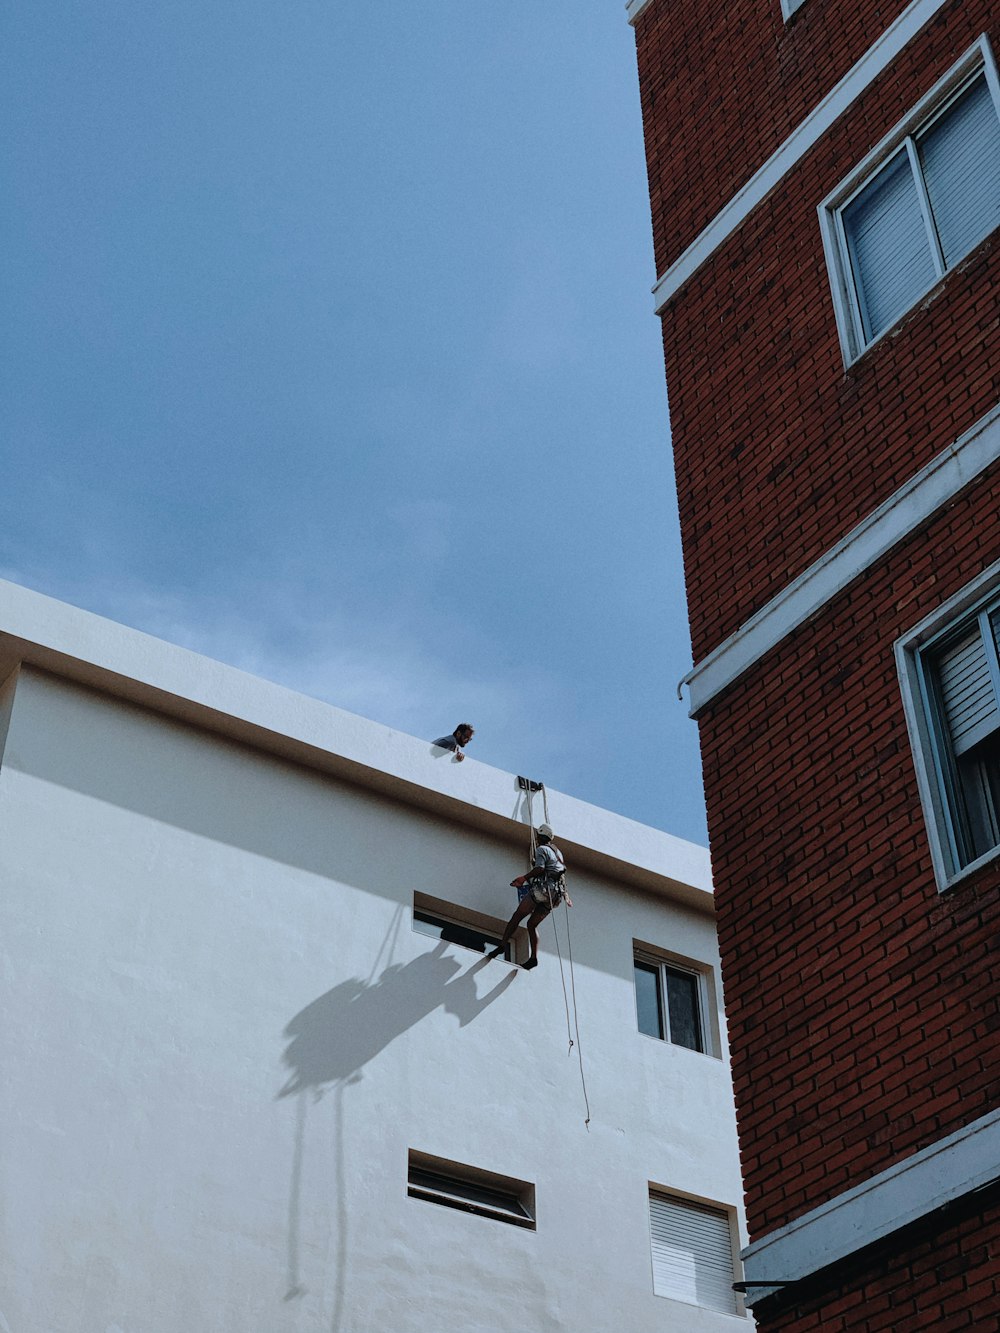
[41,632]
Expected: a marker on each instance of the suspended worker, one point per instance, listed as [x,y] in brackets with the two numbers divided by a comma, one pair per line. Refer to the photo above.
[541,889]
[462,734]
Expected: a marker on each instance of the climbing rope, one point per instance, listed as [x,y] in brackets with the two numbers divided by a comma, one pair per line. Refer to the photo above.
[562,977]
[569,948]
[576,1015]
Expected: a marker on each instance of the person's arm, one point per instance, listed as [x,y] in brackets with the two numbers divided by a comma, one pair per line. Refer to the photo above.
[457,747]
[534,873]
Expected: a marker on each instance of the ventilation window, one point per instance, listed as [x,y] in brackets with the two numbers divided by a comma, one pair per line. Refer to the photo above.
[692,1249]
[468,929]
[470,1189]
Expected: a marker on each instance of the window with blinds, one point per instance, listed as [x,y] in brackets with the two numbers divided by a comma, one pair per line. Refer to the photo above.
[960,675]
[933,196]
[692,1250]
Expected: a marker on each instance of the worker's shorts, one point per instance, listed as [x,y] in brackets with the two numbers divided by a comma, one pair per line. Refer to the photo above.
[542,895]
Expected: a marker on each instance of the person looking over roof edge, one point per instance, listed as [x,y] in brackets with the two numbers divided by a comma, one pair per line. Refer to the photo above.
[462,734]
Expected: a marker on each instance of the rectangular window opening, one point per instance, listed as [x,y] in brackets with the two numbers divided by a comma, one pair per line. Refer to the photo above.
[670,1000]
[693,1252]
[930,195]
[950,675]
[471,1189]
[453,924]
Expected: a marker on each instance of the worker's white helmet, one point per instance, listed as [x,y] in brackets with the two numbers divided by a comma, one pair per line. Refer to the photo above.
[546,830]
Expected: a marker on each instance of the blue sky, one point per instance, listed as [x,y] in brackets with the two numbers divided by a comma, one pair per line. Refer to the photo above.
[330,352]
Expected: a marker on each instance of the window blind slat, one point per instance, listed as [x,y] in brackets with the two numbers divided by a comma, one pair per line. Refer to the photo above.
[692,1253]
[968,699]
[888,245]
[960,159]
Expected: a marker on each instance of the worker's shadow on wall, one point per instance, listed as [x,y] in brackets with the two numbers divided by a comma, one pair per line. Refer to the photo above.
[331,1041]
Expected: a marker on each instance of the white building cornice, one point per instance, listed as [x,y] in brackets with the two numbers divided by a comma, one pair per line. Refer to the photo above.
[39,632]
[916,501]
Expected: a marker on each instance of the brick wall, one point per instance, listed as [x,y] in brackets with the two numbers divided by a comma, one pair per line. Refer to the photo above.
[942,1274]
[864,1018]
[759,393]
[724,85]
[863,1012]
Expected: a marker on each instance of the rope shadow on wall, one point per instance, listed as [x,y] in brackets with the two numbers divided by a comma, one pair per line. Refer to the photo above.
[331,1041]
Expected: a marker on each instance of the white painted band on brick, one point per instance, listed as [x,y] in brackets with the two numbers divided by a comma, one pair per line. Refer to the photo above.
[789,7]
[635,7]
[876,59]
[930,488]
[914,1187]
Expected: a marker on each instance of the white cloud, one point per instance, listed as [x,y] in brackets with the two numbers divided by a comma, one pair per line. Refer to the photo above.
[405,677]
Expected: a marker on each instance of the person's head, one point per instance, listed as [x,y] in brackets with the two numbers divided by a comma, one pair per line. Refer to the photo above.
[545,833]
[464,733]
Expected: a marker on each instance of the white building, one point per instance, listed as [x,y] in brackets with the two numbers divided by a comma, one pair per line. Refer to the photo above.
[239,1077]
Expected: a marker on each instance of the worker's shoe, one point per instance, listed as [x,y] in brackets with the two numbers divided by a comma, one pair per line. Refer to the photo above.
[531,962]
[495,953]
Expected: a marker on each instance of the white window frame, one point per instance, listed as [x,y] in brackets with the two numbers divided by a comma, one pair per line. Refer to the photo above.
[666,1192]
[977,60]
[924,742]
[651,956]
[454,1184]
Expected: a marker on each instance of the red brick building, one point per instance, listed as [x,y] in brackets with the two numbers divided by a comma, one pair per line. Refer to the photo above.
[825,187]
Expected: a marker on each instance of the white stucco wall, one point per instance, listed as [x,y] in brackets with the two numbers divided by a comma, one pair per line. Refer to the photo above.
[221,1036]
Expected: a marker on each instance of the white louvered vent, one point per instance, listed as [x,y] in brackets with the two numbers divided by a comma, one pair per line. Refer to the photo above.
[692,1253]
[967,696]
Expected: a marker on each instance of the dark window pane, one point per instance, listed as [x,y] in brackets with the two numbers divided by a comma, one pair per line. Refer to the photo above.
[979,780]
[647,999]
[967,724]
[682,1006]
[454,1187]
[467,936]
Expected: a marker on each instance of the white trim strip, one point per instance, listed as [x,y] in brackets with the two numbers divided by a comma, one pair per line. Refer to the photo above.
[954,1166]
[634,8]
[876,59]
[933,486]
[789,7]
